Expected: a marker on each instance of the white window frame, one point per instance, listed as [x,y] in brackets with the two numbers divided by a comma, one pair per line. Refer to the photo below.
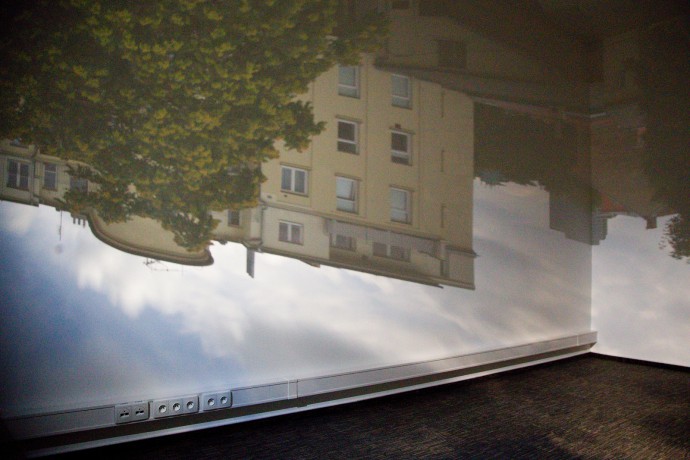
[231,213]
[401,100]
[344,203]
[291,187]
[389,254]
[404,214]
[353,142]
[290,236]
[79,184]
[346,89]
[15,180]
[48,173]
[346,243]
[403,157]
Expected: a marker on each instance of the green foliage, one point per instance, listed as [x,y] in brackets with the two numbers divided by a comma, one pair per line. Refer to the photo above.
[164,98]
[664,76]
[677,236]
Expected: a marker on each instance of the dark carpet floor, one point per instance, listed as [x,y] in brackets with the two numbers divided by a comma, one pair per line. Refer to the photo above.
[585,407]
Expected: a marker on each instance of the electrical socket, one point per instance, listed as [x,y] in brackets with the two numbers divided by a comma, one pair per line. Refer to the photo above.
[216,400]
[190,404]
[132,412]
[163,408]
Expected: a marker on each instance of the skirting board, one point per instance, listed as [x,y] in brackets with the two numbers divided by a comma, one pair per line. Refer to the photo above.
[56,432]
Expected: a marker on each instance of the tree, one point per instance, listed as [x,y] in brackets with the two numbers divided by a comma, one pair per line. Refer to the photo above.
[664,76]
[174,104]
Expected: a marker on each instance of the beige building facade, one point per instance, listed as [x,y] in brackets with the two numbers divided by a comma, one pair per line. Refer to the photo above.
[386,188]
[30,177]
[423,36]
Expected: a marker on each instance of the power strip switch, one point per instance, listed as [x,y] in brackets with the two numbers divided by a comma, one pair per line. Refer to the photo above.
[132,412]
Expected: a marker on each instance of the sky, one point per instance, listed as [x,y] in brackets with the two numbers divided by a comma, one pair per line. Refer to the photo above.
[85,323]
[640,295]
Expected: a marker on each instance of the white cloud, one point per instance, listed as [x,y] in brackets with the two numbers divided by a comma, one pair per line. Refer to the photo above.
[270,324]
[17,219]
[297,320]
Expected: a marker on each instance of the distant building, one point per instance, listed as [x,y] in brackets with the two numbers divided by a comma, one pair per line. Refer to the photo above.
[472,48]
[385,189]
[32,178]
[29,177]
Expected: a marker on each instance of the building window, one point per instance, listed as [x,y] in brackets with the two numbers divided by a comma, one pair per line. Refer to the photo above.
[400,205]
[391,251]
[400,148]
[293,180]
[445,268]
[452,54]
[18,174]
[79,184]
[50,176]
[347,137]
[346,192]
[348,81]
[343,242]
[290,232]
[233,218]
[401,89]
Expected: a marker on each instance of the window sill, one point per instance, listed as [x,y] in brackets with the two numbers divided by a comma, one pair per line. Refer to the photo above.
[290,192]
[391,258]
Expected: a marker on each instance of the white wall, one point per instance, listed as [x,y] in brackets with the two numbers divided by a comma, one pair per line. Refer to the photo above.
[640,295]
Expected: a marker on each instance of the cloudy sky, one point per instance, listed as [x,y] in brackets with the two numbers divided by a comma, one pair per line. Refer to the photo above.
[640,295]
[85,323]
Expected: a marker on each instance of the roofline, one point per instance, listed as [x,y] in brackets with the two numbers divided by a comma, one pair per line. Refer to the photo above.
[420,279]
[202,260]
